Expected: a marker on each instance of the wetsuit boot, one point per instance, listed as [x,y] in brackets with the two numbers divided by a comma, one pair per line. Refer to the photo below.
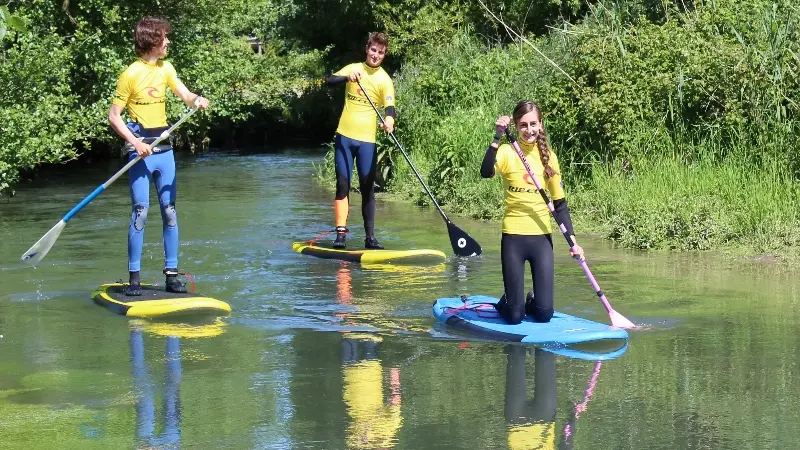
[371,243]
[134,285]
[173,284]
[341,237]
[501,304]
[530,307]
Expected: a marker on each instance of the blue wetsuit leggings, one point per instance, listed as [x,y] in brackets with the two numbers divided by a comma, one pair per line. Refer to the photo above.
[365,155]
[158,168]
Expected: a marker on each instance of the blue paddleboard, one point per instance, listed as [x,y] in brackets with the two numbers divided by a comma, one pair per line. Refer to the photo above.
[477,315]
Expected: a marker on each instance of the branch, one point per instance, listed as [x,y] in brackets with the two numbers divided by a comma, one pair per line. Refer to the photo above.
[65,8]
[523,39]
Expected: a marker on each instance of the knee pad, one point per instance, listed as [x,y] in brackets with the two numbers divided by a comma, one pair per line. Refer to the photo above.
[367,185]
[170,215]
[140,217]
[342,186]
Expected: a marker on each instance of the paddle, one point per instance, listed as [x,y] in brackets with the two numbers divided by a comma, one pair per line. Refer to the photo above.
[569,428]
[43,245]
[617,319]
[463,244]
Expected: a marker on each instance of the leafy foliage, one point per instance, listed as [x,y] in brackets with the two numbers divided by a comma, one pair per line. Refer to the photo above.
[66,66]
[632,87]
[647,97]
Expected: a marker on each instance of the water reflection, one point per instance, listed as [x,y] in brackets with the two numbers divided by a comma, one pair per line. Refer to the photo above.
[375,416]
[367,306]
[374,420]
[146,435]
[569,428]
[344,285]
[531,423]
[147,422]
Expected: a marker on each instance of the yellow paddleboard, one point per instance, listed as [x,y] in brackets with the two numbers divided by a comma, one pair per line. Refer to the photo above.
[371,256]
[156,302]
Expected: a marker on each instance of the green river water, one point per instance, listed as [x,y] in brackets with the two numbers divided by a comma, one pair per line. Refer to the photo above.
[325,354]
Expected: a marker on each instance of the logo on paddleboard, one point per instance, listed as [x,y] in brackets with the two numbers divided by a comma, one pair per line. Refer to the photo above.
[462,243]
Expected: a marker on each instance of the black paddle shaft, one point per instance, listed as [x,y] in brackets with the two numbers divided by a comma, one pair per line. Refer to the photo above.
[405,155]
[462,243]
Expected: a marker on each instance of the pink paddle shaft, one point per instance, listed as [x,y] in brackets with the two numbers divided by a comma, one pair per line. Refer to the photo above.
[581,407]
[617,319]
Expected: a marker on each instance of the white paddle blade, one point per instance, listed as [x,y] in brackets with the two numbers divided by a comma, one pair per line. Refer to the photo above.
[43,245]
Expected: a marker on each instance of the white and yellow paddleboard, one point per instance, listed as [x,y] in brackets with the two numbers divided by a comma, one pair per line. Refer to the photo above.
[366,256]
[156,302]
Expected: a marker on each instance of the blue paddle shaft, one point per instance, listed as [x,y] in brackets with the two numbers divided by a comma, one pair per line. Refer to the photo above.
[124,169]
[83,203]
[99,189]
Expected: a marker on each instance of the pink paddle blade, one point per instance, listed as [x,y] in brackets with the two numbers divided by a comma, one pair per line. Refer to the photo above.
[619,321]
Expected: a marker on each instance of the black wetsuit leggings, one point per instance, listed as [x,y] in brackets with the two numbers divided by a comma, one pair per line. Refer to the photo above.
[515,250]
[366,157]
[542,408]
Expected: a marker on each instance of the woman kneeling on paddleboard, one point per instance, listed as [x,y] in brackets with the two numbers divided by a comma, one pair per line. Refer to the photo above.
[526,221]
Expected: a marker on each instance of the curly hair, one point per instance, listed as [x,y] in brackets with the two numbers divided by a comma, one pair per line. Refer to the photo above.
[150,33]
[378,38]
[524,107]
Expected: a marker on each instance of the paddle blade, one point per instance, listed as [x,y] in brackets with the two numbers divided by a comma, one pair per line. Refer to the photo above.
[619,321]
[463,244]
[43,245]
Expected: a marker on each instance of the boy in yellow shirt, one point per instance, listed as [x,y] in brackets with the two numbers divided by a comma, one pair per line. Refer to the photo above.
[355,135]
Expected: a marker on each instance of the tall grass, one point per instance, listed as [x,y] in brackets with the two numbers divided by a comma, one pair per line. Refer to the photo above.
[681,132]
[704,206]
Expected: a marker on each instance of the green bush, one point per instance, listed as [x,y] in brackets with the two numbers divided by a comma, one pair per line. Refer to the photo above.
[672,118]
[64,68]
[40,120]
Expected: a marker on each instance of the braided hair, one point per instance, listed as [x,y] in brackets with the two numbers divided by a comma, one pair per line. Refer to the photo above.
[524,107]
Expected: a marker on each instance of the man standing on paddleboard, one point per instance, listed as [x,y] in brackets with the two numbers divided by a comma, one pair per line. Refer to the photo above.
[355,135]
[141,90]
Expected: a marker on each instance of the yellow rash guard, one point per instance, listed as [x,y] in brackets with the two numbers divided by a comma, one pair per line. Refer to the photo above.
[142,89]
[525,210]
[374,423]
[539,436]
[358,120]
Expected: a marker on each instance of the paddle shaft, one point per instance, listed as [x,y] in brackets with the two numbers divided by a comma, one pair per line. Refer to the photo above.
[124,169]
[569,430]
[561,226]
[397,143]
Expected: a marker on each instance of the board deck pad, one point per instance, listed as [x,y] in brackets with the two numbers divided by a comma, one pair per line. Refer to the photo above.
[155,301]
[149,292]
[478,316]
[420,256]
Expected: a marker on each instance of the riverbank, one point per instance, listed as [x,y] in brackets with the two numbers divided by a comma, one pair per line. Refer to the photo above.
[661,147]
[664,205]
